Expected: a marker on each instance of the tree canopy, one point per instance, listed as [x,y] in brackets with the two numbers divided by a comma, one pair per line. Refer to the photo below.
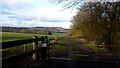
[97,21]
[100,22]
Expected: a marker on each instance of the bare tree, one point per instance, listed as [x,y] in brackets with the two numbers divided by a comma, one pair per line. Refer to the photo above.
[100,22]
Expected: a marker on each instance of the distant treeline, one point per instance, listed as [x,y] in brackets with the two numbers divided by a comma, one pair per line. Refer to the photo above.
[22,30]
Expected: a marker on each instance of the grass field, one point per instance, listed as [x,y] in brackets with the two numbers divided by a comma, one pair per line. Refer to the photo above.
[9,36]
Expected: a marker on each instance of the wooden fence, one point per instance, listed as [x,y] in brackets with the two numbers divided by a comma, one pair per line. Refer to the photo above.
[35,41]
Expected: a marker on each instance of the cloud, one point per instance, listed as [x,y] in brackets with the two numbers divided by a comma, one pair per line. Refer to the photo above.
[6,12]
[54,18]
[8,22]
[24,13]
[58,20]
[14,2]
[54,14]
[51,24]
[17,7]
[23,18]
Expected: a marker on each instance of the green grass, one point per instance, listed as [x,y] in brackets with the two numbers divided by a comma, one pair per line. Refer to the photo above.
[9,36]
[91,46]
[61,42]
[59,34]
[60,47]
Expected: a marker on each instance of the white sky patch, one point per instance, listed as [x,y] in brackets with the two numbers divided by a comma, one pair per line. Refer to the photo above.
[50,24]
[28,23]
[13,2]
[8,22]
[54,14]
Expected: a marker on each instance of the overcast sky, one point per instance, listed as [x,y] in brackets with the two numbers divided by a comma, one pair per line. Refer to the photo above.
[32,13]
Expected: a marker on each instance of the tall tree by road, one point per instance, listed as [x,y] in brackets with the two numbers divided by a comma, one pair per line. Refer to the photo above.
[99,21]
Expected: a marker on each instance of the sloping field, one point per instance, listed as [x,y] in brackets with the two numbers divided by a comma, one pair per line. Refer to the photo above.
[9,36]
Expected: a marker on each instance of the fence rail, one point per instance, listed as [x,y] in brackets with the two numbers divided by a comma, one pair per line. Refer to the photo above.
[8,59]
[18,42]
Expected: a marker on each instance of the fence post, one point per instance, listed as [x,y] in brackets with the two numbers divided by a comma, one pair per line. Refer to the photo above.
[24,46]
[35,45]
[44,46]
